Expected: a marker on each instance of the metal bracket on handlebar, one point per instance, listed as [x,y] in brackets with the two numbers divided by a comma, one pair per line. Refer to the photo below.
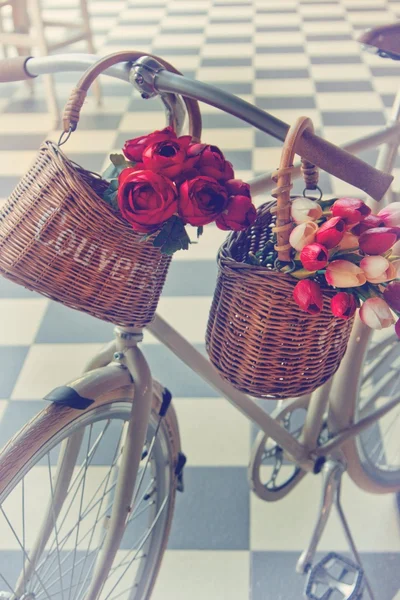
[142,75]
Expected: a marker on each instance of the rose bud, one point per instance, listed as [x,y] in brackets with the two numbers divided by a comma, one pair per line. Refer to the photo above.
[376,314]
[377,240]
[368,223]
[390,215]
[343,305]
[348,241]
[307,294]
[343,273]
[351,210]
[201,200]
[377,269]
[314,257]
[302,235]
[210,162]
[168,157]
[392,295]
[304,209]
[397,328]
[331,232]
[133,149]
[237,187]
[146,199]
[239,214]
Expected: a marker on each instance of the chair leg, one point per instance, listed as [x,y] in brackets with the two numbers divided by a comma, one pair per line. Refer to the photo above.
[50,90]
[3,47]
[91,48]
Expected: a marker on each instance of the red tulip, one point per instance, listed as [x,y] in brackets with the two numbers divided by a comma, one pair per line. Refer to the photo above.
[377,240]
[314,257]
[343,305]
[331,233]
[397,328]
[351,210]
[368,223]
[307,294]
[392,295]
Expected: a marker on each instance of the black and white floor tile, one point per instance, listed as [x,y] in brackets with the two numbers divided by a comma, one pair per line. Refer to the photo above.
[289,57]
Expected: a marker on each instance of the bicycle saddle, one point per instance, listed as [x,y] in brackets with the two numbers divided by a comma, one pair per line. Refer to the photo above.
[384,40]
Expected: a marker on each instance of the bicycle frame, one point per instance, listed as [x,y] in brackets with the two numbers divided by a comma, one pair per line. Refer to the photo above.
[337,397]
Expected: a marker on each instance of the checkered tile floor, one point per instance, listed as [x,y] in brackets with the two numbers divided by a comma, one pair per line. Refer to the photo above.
[289,57]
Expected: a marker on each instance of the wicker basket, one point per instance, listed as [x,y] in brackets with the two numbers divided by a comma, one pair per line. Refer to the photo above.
[257,337]
[59,238]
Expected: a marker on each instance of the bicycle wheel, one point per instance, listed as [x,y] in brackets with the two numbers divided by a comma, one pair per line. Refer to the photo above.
[66,562]
[378,447]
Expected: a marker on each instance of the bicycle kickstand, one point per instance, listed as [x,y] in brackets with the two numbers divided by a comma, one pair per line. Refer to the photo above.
[334,573]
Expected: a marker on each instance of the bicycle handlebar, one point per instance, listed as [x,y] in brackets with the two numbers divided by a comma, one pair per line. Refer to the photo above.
[327,156]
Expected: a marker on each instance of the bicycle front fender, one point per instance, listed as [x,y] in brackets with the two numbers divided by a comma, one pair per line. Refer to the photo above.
[91,387]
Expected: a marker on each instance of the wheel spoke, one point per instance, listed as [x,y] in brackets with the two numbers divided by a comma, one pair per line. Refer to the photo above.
[55,522]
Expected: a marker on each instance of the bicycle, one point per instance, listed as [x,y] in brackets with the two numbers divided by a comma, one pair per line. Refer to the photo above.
[81,546]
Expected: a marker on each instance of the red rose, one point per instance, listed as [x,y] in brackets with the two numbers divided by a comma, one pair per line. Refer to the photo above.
[314,257]
[238,215]
[133,149]
[210,162]
[331,233]
[146,199]
[307,294]
[377,240]
[201,200]
[168,157]
[343,305]
[237,187]
[351,210]
[367,223]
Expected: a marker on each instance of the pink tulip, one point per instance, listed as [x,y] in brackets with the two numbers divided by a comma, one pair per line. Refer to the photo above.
[377,269]
[302,235]
[368,223]
[377,240]
[314,257]
[351,210]
[343,305]
[331,232]
[392,295]
[348,241]
[397,328]
[376,313]
[390,215]
[304,209]
[344,274]
[307,294]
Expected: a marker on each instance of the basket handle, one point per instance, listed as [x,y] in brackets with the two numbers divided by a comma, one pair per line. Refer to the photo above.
[75,102]
[283,225]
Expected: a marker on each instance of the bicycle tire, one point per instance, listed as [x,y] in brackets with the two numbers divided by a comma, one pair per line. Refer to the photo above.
[45,432]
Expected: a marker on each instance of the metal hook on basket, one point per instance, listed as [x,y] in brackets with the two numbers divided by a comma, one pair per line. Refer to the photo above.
[289,267]
[64,137]
[312,190]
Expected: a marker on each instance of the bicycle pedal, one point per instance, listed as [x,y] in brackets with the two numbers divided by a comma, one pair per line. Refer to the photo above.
[333,577]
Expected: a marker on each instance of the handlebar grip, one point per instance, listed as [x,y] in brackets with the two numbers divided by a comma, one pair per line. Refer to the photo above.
[14,69]
[344,165]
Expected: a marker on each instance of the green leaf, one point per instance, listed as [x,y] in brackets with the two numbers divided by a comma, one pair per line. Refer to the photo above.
[172,236]
[111,194]
[200,231]
[117,159]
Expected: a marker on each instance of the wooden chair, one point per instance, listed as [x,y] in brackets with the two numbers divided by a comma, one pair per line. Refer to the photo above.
[29,31]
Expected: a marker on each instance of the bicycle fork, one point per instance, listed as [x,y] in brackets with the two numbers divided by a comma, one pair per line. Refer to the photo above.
[132,358]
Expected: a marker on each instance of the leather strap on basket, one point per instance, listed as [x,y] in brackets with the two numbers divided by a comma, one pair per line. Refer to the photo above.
[75,102]
[284,224]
